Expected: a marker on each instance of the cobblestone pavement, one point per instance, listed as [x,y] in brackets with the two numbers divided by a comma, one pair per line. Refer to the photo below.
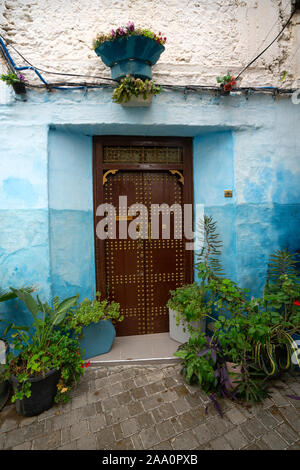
[151,407]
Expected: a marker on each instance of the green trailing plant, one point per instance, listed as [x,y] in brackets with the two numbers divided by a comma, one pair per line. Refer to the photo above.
[131,86]
[92,311]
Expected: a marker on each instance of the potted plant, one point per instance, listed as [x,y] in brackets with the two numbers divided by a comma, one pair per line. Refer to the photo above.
[16,81]
[190,305]
[227,82]
[91,322]
[186,312]
[49,360]
[130,51]
[4,347]
[135,92]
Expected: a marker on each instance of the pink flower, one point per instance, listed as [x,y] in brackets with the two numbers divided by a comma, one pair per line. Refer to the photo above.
[297,302]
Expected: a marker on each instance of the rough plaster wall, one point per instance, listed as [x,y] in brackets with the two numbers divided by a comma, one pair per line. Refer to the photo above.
[205,37]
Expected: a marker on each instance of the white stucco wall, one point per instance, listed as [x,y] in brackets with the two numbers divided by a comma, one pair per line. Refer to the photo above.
[204,37]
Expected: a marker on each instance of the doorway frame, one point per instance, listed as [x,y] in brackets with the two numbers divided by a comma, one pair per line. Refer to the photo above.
[186,143]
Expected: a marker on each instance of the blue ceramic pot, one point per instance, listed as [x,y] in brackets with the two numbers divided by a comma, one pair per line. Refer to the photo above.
[97,338]
[133,56]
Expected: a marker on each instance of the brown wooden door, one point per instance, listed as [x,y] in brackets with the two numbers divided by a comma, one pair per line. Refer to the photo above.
[139,273]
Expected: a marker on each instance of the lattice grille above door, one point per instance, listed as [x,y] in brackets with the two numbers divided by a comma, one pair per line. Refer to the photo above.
[142,154]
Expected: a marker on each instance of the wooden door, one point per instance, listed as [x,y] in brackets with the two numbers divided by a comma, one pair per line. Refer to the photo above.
[139,273]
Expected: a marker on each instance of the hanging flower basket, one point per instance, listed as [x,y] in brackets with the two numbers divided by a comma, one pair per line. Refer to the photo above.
[130,51]
[135,92]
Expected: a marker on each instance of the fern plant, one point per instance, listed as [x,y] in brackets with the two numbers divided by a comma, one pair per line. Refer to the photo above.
[208,262]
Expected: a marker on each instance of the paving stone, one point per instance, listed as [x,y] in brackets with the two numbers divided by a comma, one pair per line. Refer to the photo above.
[163,446]
[287,433]
[124,398]
[235,416]
[129,427]
[79,401]
[194,400]
[236,439]
[220,444]
[203,433]
[278,398]
[135,409]
[149,437]
[181,405]
[115,378]
[168,396]
[128,385]
[137,442]
[291,416]
[125,444]
[251,447]
[266,418]
[109,404]
[138,393]
[97,422]
[145,420]
[253,429]
[155,376]
[153,388]
[184,441]
[79,429]
[150,403]
[50,441]
[140,381]
[65,435]
[165,411]
[88,442]
[117,430]
[105,437]
[165,430]
[25,446]
[119,414]
[115,389]
[218,425]
[69,446]
[169,382]
[274,441]
[187,420]
[87,411]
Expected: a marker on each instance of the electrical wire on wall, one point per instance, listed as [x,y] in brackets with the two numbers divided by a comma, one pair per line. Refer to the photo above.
[110,83]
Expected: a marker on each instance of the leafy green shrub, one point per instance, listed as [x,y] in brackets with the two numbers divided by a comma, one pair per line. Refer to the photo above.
[92,311]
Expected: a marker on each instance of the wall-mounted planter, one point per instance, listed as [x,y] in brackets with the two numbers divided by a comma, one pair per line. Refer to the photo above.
[138,101]
[19,88]
[97,338]
[133,56]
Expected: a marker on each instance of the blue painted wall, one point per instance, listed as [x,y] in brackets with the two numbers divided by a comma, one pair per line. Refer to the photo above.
[46,234]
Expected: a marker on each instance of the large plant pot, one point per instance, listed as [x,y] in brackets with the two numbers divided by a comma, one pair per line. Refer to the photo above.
[180,332]
[133,56]
[97,338]
[43,391]
[4,385]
